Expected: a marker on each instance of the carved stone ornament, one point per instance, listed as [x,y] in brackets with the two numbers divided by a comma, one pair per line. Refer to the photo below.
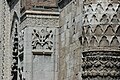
[42,39]
[101,65]
[14,65]
[21,55]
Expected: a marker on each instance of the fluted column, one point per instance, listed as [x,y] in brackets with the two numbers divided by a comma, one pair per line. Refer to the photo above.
[101,39]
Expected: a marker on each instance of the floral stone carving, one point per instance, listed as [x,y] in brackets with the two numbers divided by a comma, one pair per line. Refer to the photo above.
[42,39]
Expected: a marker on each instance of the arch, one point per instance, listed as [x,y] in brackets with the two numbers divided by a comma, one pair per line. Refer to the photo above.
[104,42]
[14,43]
[98,30]
[109,30]
[114,42]
[115,19]
[93,41]
[85,21]
[99,8]
[94,19]
[38,45]
[90,9]
[88,30]
[104,19]
[110,7]
[15,17]
[85,43]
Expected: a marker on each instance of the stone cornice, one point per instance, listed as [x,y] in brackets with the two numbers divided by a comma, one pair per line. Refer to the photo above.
[39,14]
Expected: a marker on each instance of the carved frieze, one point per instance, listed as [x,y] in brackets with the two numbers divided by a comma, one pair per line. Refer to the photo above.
[41,21]
[101,64]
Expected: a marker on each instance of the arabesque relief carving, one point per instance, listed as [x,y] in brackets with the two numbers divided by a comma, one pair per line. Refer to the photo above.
[42,39]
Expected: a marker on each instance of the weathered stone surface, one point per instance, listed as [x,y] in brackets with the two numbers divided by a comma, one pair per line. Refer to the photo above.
[76,40]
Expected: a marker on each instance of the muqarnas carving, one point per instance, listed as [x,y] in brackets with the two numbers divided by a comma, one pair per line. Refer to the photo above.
[42,39]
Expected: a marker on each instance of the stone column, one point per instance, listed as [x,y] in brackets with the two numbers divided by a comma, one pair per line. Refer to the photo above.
[101,39]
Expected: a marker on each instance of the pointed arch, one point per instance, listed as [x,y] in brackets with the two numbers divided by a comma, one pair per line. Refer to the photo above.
[104,19]
[15,19]
[114,42]
[98,30]
[93,41]
[109,30]
[104,42]
[94,19]
[110,7]
[115,19]
[88,30]
[85,43]
[99,8]
[14,43]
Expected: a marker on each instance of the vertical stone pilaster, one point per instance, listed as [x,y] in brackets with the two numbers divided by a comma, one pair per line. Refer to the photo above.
[28,54]
[56,53]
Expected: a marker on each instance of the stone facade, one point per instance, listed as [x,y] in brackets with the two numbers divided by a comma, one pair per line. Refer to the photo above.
[60,40]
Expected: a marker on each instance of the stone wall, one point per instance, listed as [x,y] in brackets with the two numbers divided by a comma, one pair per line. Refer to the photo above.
[83,43]
[70,47]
